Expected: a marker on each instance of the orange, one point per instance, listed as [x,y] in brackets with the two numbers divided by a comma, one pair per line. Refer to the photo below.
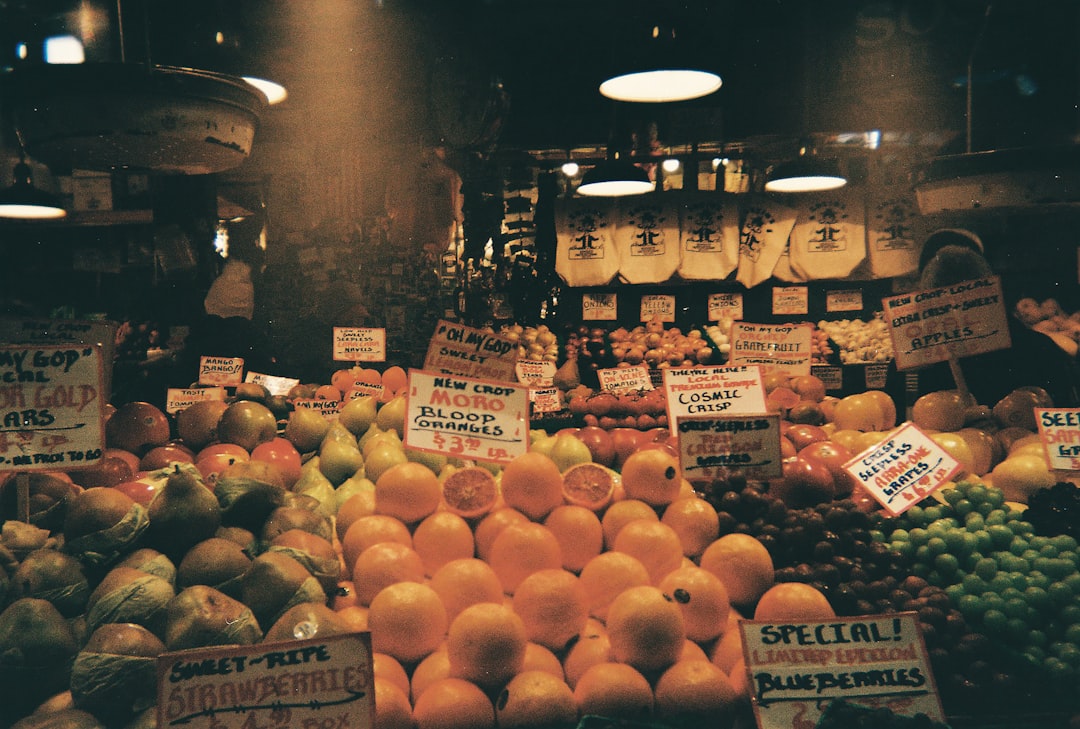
[451,703]
[470,491]
[521,549]
[383,564]
[539,658]
[532,484]
[695,691]
[740,681]
[491,526]
[645,628]
[486,644]
[388,668]
[441,538]
[589,485]
[743,564]
[408,491]
[614,690]
[608,574]
[691,651]
[434,667]
[371,530]
[702,599]
[392,708]
[654,544]
[407,620]
[943,410]
[695,522]
[362,503]
[394,378]
[621,513]
[327,392]
[463,582]
[355,616]
[793,601]
[553,606]
[727,651]
[535,699]
[592,646]
[651,475]
[579,533]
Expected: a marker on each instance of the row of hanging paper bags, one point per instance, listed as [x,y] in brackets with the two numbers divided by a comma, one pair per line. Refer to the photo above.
[708,236]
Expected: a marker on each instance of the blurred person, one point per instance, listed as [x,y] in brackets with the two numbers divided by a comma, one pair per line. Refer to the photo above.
[950,256]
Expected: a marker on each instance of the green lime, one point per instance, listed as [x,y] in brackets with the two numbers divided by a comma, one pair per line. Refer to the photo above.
[918,536]
[904,549]
[1038,579]
[1073,581]
[1070,614]
[1000,535]
[986,568]
[1016,631]
[1000,582]
[1048,550]
[937,545]
[915,514]
[1037,639]
[994,621]
[922,554]
[1037,597]
[1066,652]
[933,513]
[973,585]
[963,507]
[996,517]
[876,535]
[946,564]
[899,535]
[1018,546]
[920,569]
[974,522]
[971,606]
[1064,542]
[995,497]
[976,493]
[955,592]
[1015,607]
[952,495]
[1060,593]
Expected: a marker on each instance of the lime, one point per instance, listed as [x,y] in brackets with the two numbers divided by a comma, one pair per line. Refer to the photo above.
[946,564]
[986,568]
[973,585]
[918,536]
[1018,546]
[1016,630]
[970,606]
[1060,593]
[994,620]
[1016,607]
[937,545]
[1000,534]
[1064,542]
[963,507]
[899,535]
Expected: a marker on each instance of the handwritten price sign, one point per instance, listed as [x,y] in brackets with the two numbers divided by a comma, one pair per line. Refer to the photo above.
[698,391]
[359,344]
[315,683]
[51,407]
[903,469]
[460,416]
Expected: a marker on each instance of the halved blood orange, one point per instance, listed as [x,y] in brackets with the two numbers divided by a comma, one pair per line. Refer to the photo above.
[590,485]
[470,491]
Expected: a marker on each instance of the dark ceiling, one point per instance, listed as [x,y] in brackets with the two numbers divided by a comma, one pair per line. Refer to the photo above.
[483,75]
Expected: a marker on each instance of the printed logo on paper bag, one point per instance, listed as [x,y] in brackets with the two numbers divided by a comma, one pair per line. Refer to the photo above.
[893,228]
[648,223]
[759,223]
[586,224]
[704,221]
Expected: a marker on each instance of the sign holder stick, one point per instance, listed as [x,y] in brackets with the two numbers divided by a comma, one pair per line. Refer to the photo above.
[22,496]
[958,377]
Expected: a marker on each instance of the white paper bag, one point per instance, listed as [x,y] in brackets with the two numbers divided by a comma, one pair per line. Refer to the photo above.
[708,236]
[829,237]
[762,239]
[894,228]
[647,238]
[585,254]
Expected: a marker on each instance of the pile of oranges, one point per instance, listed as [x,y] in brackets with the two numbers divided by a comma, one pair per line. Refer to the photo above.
[525,596]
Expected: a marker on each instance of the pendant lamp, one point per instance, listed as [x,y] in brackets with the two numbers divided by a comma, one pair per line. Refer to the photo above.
[655,63]
[805,173]
[615,177]
[23,201]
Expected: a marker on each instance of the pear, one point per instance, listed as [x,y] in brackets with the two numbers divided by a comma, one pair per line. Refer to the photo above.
[338,460]
[53,576]
[37,646]
[307,620]
[568,376]
[274,583]
[391,415]
[183,513]
[201,616]
[319,489]
[435,461]
[305,429]
[338,433]
[114,675]
[285,518]
[358,414]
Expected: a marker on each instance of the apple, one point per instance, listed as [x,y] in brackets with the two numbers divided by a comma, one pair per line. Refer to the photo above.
[213,459]
[161,456]
[833,456]
[142,490]
[109,471]
[803,434]
[808,387]
[599,442]
[805,483]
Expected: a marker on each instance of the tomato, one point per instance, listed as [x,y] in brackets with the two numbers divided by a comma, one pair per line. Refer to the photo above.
[213,459]
[142,490]
[625,441]
[161,456]
[109,471]
[281,453]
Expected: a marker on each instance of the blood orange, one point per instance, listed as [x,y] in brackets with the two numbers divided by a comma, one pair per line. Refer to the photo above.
[470,491]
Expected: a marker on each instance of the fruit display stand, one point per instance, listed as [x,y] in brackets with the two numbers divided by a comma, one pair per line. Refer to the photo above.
[583,582]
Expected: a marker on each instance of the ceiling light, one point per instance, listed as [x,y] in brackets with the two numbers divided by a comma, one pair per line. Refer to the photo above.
[655,65]
[23,201]
[806,173]
[570,169]
[670,165]
[275,93]
[661,85]
[615,178]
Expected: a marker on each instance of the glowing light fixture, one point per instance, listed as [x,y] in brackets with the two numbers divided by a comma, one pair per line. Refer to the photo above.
[23,201]
[662,72]
[615,178]
[570,169]
[806,173]
[670,165]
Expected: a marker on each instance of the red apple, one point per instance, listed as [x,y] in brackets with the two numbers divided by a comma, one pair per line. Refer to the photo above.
[625,441]
[833,456]
[161,456]
[802,435]
[805,483]
[787,448]
[109,471]
[599,442]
